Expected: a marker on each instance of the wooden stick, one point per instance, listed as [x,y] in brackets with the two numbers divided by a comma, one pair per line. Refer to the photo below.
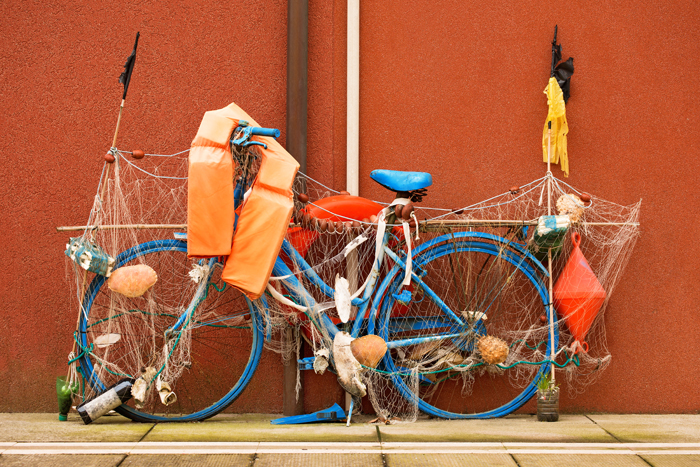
[424,225]
[125,226]
[549,251]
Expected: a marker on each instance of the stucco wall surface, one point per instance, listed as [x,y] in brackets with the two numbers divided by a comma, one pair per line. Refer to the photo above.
[453,88]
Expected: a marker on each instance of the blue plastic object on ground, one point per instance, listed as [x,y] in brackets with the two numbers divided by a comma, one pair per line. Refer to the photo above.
[332,414]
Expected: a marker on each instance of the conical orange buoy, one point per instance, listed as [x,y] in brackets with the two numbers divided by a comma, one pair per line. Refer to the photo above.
[578,295]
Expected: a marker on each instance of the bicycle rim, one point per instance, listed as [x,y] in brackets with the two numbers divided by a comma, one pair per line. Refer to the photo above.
[471,273]
[207,365]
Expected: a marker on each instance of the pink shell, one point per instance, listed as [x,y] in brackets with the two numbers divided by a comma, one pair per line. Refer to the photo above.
[132,281]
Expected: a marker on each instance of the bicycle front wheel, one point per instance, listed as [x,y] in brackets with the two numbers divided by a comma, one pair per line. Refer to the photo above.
[203,339]
[467,286]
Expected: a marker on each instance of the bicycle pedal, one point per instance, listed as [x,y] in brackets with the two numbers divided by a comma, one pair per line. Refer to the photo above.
[306,363]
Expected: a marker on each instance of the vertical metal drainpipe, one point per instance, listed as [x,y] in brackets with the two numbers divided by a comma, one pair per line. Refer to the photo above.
[297,74]
[353,91]
[297,78]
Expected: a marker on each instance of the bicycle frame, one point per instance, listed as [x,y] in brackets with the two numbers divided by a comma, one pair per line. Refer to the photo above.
[295,287]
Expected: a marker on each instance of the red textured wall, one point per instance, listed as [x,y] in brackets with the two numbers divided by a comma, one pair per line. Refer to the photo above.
[468,75]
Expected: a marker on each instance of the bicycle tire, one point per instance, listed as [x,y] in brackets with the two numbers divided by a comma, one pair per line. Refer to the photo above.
[502,264]
[225,322]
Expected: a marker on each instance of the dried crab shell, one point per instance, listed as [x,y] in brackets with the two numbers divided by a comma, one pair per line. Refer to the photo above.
[571,205]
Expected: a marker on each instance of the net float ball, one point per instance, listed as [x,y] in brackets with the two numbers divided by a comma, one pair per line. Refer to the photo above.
[322,225]
[356,225]
[109,158]
[397,210]
[407,211]
[514,190]
[365,221]
[303,198]
[543,319]
[346,193]
[137,154]
[585,197]
[373,219]
[458,211]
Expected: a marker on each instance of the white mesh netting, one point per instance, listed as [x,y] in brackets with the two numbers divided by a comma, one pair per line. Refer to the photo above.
[474,276]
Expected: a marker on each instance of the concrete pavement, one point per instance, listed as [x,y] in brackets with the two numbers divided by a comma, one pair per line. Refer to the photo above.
[250,440]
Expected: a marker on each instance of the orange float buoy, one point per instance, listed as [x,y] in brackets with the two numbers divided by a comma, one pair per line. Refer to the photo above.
[578,295]
[109,158]
[137,154]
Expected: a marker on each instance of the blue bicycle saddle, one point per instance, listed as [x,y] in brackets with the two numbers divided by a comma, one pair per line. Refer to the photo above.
[396,180]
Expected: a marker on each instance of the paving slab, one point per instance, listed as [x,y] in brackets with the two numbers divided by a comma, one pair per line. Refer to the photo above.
[60,460]
[449,460]
[516,428]
[673,460]
[651,428]
[46,428]
[257,427]
[319,460]
[579,460]
[210,460]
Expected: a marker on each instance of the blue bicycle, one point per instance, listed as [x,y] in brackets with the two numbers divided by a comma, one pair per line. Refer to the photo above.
[464,313]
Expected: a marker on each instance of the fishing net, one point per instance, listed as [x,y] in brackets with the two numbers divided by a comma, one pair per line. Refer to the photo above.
[195,334]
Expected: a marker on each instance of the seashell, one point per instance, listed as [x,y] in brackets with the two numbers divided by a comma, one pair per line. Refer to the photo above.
[137,154]
[572,205]
[109,157]
[105,340]
[368,350]
[303,198]
[406,211]
[132,281]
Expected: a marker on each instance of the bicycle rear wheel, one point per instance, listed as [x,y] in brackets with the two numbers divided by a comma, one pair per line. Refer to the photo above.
[457,277]
[207,365]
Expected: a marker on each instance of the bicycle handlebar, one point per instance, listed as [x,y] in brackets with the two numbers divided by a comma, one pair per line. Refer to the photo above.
[259,131]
